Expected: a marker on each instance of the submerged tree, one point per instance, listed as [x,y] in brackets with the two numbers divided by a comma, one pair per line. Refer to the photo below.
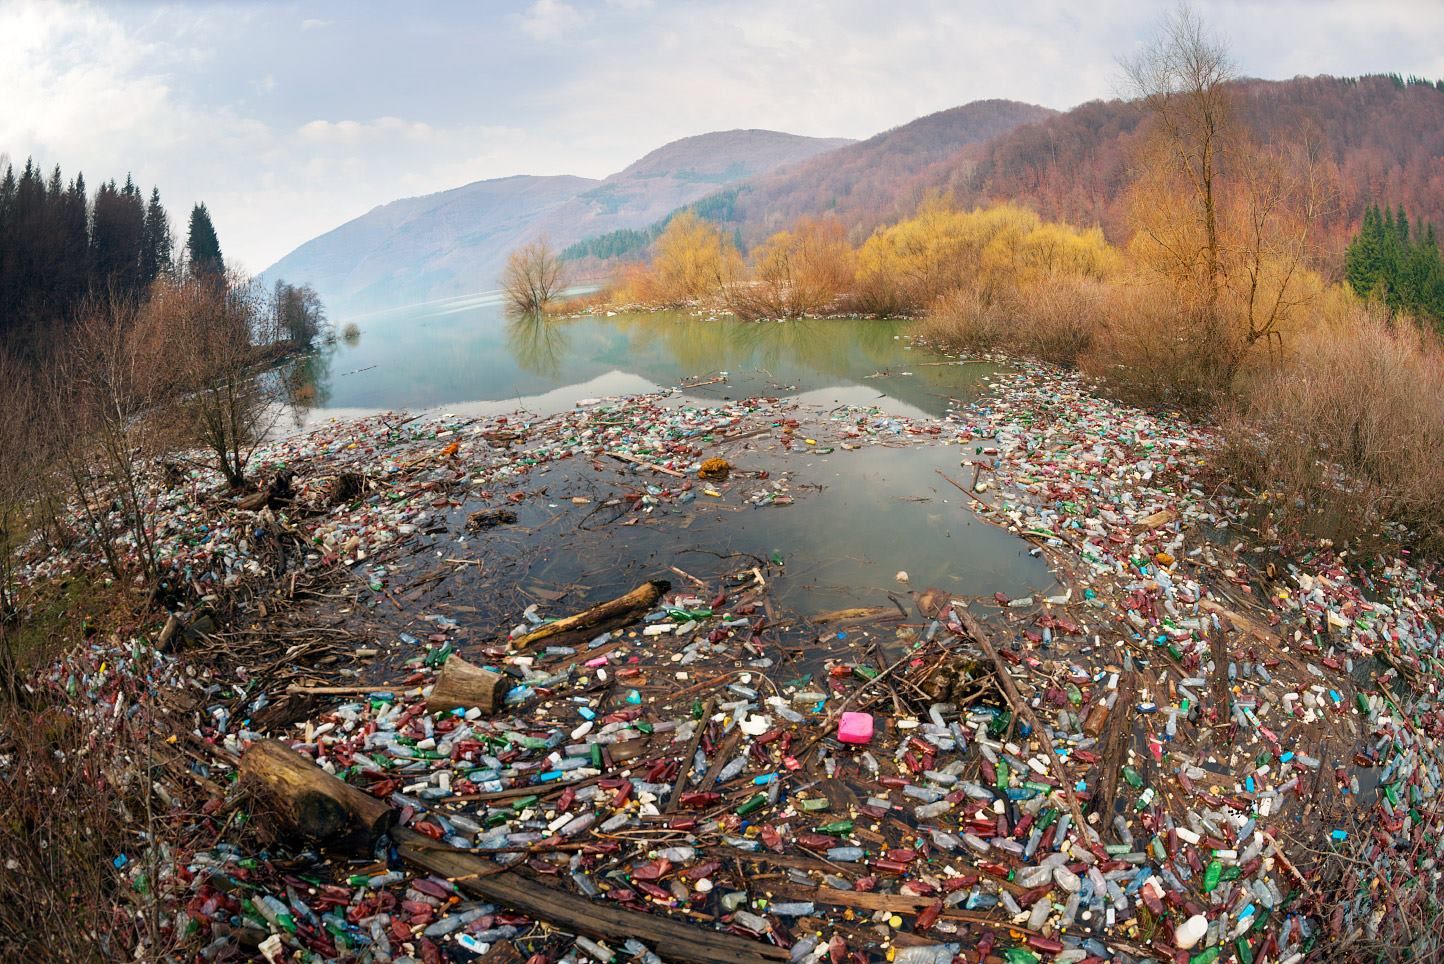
[533,276]
[299,316]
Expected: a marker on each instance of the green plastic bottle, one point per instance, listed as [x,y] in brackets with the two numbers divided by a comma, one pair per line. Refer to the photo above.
[1211,876]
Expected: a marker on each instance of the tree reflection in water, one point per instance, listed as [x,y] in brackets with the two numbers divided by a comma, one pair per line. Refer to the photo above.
[537,342]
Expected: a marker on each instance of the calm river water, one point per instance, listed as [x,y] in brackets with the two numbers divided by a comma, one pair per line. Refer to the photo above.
[878,510]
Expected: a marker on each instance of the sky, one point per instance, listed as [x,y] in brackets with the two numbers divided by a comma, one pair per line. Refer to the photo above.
[288,119]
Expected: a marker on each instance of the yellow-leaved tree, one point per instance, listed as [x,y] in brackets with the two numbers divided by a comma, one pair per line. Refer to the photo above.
[987,253]
[797,272]
[693,261]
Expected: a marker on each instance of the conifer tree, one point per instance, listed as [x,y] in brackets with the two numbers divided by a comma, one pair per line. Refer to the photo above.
[1402,269]
[202,246]
[155,254]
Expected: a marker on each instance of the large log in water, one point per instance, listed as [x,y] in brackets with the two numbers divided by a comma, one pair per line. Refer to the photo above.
[309,801]
[609,615]
[461,685]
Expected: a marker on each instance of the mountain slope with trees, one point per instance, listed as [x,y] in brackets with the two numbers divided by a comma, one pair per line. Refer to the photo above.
[1377,139]
[859,184]
[1380,138]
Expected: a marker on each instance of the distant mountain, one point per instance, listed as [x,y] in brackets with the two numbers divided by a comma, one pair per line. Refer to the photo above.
[456,241]
[860,184]
[1383,135]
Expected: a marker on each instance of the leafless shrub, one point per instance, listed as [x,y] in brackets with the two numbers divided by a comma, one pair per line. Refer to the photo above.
[533,276]
[209,337]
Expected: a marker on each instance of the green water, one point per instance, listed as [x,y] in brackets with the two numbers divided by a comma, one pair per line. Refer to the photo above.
[860,517]
[466,356]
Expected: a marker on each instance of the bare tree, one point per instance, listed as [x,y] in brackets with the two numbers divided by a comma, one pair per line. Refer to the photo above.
[300,317]
[101,394]
[1230,224]
[226,399]
[533,276]
[1182,80]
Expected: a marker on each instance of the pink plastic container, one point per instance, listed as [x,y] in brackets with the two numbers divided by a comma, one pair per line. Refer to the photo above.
[855,728]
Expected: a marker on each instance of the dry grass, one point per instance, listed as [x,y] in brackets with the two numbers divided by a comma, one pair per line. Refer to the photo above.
[1338,420]
[73,805]
[1347,438]
[1055,322]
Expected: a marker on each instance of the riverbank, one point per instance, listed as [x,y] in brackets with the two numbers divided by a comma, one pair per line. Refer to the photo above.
[1194,740]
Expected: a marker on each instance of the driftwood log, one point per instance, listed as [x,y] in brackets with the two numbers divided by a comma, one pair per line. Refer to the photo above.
[277,492]
[168,633]
[671,940]
[312,802]
[322,805]
[461,685]
[490,519]
[609,615]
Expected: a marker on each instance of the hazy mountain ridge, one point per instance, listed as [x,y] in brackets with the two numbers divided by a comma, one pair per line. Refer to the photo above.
[456,241]
[856,184]
[1385,138]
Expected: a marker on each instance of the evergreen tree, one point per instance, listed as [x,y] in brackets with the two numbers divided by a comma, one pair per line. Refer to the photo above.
[117,228]
[1402,269]
[202,246]
[74,219]
[1364,257]
[155,252]
[58,246]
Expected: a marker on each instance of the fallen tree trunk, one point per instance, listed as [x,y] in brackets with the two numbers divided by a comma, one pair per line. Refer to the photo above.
[323,806]
[312,802]
[461,685]
[671,940]
[599,619]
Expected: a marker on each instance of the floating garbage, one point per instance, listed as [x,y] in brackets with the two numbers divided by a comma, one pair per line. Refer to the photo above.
[1200,748]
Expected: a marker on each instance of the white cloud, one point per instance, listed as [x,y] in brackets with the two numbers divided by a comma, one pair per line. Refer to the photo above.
[549,19]
[171,95]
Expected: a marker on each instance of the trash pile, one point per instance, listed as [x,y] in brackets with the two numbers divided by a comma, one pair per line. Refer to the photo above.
[1199,751]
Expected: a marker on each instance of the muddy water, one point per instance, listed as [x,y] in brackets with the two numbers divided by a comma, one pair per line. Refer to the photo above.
[858,518]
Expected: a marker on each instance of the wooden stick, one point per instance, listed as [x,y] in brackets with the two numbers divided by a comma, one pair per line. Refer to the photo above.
[1021,708]
[633,460]
[687,758]
[298,689]
[600,618]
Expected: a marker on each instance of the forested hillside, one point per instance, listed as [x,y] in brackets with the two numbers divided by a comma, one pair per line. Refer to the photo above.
[1383,139]
[875,181]
[1378,139]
